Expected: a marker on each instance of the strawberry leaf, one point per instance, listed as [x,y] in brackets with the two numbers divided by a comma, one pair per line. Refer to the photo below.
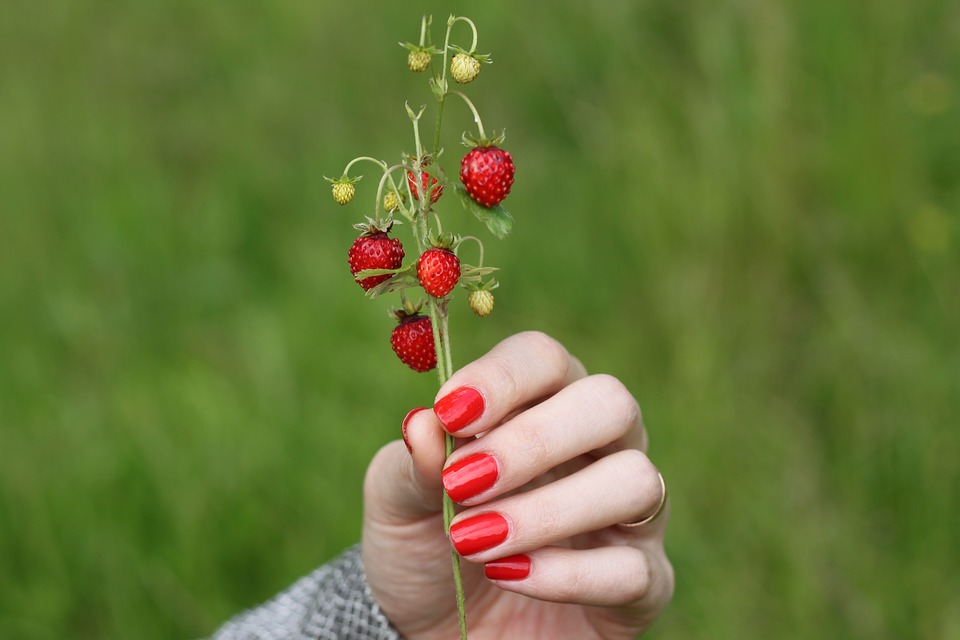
[398,282]
[497,219]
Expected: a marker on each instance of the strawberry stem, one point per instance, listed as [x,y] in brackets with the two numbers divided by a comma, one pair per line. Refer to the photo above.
[424,23]
[393,185]
[379,163]
[438,311]
[455,19]
[479,244]
[476,116]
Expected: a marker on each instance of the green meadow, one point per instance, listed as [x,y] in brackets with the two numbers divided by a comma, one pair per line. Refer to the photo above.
[747,211]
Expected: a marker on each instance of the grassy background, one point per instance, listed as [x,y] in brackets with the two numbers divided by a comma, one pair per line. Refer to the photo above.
[745,210]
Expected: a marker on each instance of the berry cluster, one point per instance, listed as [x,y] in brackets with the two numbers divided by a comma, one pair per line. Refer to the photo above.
[486,177]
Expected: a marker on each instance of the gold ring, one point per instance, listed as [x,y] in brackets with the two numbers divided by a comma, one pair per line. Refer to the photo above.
[656,514]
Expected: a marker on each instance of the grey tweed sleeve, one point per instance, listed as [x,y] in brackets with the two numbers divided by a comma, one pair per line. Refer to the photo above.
[332,603]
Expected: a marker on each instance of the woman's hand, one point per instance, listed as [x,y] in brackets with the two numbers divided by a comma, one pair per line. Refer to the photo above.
[551,461]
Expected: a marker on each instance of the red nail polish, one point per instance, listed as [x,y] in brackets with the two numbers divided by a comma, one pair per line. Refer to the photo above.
[403,427]
[459,408]
[479,533]
[510,568]
[470,476]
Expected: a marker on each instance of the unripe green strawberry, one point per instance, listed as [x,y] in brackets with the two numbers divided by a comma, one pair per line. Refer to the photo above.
[391,201]
[438,271]
[343,192]
[418,60]
[412,341]
[481,301]
[464,68]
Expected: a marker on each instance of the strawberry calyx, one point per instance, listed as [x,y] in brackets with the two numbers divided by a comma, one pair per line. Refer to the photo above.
[483,142]
[373,226]
[484,58]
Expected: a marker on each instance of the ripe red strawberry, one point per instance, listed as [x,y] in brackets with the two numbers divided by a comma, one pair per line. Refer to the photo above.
[412,341]
[487,173]
[427,182]
[438,270]
[374,249]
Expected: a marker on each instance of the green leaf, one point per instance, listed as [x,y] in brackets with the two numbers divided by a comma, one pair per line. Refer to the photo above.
[398,282]
[497,219]
[368,273]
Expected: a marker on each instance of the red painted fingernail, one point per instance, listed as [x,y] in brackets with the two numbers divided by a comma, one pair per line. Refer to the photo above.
[479,533]
[510,568]
[459,408]
[468,477]
[403,427]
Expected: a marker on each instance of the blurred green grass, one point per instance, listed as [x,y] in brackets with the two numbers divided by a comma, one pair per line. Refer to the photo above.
[745,210]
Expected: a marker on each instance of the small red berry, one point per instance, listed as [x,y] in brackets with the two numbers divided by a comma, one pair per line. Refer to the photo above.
[487,174]
[374,250]
[438,271]
[412,341]
[428,181]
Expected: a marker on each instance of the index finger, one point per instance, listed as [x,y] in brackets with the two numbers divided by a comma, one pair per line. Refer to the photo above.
[518,372]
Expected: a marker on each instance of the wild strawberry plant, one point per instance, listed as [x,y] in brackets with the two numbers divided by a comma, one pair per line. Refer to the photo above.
[409,194]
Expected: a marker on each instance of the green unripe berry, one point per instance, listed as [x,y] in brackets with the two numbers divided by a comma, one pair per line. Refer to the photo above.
[343,192]
[481,302]
[464,68]
[418,60]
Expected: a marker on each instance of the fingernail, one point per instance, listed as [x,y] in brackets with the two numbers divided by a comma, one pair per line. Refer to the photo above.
[479,533]
[403,427]
[470,476]
[459,408]
[510,568]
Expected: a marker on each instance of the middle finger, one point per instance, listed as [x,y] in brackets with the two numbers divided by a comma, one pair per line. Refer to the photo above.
[592,413]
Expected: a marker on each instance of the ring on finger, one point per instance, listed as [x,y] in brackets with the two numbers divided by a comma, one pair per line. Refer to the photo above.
[656,512]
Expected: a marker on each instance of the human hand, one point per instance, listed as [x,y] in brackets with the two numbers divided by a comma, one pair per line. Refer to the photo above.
[550,462]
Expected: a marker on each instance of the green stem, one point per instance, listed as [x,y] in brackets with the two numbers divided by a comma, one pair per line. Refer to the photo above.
[423,30]
[383,180]
[479,244]
[436,133]
[455,19]
[439,321]
[476,115]
[441,337]
[379,163]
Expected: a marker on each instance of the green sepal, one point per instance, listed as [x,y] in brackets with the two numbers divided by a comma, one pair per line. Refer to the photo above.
[344,179]
[470,142]
[439,87]
[409,46]
[485,58]
[470,274]
[403,278]
[498,220]
[414,116]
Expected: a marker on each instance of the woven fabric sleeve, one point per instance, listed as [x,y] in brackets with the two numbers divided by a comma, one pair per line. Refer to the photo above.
[332,603]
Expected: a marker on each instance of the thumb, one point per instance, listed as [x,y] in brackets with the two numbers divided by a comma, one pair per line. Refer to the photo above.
[403,480]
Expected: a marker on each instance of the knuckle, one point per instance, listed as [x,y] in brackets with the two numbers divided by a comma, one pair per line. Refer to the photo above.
[506,380]
[639,579]
[537,447]
[551,354]
[634,465]
[614,396]
[550,521]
